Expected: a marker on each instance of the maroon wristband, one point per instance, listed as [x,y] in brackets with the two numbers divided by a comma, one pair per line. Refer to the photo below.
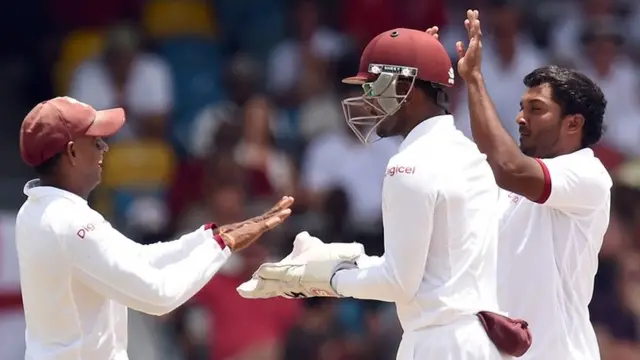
[216,236]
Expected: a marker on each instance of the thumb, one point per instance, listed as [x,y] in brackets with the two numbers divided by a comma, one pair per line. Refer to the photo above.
[460,49]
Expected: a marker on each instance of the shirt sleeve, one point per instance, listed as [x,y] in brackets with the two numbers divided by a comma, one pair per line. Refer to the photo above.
[124,271]
[574,186]
[408,208]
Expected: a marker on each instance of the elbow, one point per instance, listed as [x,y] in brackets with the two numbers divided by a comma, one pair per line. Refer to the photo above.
[161,301]
[506,170]
[161,311]
[156,310]
[403,291]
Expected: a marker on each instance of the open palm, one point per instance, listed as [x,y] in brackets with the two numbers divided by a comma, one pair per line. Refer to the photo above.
[470,60]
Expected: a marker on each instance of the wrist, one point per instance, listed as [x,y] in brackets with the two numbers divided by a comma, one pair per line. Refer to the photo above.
[475,78]
[217,236]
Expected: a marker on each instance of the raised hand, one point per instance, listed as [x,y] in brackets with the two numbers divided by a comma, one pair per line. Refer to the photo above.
[470,60]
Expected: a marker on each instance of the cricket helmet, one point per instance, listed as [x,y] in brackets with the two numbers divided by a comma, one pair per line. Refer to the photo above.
[395,55]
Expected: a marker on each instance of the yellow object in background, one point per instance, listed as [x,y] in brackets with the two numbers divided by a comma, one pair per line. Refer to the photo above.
[167,18]
[138,164]
[76,47]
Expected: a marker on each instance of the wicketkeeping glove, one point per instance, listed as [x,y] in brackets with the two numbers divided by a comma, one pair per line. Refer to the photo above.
[306,272]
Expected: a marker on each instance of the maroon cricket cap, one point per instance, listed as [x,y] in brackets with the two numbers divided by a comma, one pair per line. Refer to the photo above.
[408,48]
[52,124]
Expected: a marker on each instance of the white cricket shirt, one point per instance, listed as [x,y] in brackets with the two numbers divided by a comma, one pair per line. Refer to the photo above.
[79,275]
[439,205]
[548,256]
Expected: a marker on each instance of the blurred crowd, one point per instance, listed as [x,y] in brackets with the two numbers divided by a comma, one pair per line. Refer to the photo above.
[233,103]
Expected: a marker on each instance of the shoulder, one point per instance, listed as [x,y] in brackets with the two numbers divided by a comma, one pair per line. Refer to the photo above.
[580,167]
[408,173]
[67,218]
[48,221]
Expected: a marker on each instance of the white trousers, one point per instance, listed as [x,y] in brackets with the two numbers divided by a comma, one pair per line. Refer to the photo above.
[462,340]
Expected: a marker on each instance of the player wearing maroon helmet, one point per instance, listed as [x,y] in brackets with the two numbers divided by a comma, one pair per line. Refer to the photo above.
[439,207]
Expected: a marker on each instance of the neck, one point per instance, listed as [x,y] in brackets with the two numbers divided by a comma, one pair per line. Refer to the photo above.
[563,150]
[58,183]
[429,114]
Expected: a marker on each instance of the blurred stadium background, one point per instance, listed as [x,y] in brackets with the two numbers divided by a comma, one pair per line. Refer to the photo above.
[233,103]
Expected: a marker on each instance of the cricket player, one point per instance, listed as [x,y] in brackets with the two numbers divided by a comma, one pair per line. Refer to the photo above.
[79,275]
[439,206]
[555,199]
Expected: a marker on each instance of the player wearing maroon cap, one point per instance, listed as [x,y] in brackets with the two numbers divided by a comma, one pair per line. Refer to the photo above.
[439,208]
[78,275]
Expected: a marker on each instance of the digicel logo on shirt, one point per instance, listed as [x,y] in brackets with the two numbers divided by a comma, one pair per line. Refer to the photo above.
[83,231]
[400,170]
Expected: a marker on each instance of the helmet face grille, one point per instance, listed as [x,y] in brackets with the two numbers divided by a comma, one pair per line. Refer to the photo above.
[379,101]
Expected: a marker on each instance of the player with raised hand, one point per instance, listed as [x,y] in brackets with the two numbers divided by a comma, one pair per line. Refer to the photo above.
[555,199]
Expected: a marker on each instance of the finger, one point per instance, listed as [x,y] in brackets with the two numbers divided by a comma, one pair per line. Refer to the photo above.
[460,49]
[477,29]
[467,26]
[275,220]
[284,203]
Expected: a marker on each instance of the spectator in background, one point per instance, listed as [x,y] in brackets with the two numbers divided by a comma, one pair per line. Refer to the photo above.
[268,172]
[605,63]
[223,201]
[242,83]
[125,76]
[286,63]
[565,37]
[320,106]
[626,334]
[509,55]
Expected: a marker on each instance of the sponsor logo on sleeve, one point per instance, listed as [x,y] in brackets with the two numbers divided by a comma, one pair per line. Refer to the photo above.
[398,169]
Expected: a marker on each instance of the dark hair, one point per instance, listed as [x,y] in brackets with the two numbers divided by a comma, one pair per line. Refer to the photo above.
[576,94]
[48,167]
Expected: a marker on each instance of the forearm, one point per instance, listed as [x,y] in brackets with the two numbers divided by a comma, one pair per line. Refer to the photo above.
[369,283]
[488,133]
[161,254]
[117,268]
[192,272]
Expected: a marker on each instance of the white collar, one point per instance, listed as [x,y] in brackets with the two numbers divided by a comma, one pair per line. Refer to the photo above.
[430,125]
[34,190]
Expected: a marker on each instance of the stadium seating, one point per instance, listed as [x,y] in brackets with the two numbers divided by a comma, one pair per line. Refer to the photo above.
[196,65]
[76,47]
[167,18]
